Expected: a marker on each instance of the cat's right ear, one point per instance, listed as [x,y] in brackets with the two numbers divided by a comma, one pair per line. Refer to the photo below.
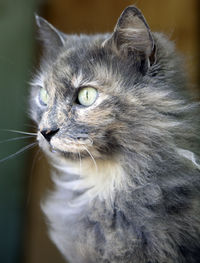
[132,34]
[51,37]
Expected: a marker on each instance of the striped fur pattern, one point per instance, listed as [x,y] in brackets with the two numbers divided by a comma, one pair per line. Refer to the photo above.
[126,169]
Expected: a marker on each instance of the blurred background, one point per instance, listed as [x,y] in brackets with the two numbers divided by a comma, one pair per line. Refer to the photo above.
[24,179]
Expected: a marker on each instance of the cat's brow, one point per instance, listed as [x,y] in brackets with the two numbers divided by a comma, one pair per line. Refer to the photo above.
[78,81]
[37,81]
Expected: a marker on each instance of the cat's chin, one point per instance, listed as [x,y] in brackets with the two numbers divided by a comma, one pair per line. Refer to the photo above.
[54,154]
[57,154]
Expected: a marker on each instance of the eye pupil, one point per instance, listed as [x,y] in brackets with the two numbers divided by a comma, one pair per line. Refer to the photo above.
[87,94]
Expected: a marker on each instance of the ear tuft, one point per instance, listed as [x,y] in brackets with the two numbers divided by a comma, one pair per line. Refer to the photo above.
[38,20]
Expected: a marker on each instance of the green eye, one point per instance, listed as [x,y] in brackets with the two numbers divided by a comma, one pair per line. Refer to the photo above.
[87,96]
[43,96]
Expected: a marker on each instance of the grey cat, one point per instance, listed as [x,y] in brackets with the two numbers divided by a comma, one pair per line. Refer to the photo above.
[122,137]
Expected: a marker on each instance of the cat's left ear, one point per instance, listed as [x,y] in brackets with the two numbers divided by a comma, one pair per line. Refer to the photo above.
[51,37]
[132,34]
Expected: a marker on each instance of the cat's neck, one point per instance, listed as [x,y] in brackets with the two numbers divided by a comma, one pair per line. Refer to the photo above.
[99,178]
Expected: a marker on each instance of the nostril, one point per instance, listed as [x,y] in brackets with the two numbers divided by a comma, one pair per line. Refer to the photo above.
[48,134]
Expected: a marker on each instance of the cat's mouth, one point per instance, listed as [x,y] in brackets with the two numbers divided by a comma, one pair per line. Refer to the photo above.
[64,145]
[68,145]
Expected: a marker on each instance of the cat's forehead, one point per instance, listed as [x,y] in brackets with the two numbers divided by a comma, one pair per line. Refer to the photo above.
[86,64]
[66,78]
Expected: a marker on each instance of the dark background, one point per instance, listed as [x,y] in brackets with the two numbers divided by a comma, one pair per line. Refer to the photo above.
[24,178]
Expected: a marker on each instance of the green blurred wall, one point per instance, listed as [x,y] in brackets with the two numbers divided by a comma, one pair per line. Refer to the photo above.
[16,56]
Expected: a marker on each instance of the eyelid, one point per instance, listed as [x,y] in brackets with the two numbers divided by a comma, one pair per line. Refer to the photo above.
[86,86]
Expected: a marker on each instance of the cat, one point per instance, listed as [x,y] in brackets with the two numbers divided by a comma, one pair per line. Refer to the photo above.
[122,137]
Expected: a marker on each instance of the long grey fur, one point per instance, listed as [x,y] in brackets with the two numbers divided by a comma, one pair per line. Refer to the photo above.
[146,126]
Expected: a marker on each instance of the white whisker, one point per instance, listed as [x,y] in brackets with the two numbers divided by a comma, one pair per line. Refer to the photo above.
[80,162]
[95,164]
[21,132]
[90,139]
[17,138]
[31,175]
[18,152]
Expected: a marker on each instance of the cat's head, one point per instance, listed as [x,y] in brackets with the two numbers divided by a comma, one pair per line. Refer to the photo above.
[99,93]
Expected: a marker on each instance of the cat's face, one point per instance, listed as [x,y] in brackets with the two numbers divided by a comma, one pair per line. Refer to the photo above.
[84,99]
[79,102]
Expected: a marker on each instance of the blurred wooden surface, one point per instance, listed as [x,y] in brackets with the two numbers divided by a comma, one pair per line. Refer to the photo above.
[177,18]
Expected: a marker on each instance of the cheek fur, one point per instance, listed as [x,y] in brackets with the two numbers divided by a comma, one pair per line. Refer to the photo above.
[100,114]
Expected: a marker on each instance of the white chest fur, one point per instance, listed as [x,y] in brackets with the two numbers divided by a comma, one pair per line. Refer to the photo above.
[101,178]
[79,183]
